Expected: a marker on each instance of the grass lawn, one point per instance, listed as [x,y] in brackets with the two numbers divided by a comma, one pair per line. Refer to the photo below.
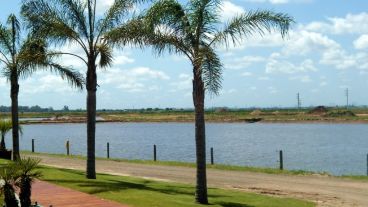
[147,193]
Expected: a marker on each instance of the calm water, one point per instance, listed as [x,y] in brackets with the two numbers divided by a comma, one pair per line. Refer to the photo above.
[335,148]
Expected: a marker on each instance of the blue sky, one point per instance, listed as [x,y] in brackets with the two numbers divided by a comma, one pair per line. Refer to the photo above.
[325,52]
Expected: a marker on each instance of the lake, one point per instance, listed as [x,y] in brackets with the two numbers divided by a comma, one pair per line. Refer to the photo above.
[334,148]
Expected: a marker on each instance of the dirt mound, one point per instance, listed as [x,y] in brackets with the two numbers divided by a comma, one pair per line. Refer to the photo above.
[256,113]
[319,110]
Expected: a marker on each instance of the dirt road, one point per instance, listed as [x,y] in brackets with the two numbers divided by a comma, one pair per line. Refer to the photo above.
[325,191]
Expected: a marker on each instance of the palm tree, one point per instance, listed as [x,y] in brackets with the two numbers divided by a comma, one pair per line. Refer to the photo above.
[9,175]
[195,30]
[20,59]
[5,127]
[76,22]
[27,174]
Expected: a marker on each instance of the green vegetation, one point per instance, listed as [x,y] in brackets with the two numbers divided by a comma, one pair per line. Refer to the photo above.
[192,165]
[337,115]
[143,193]
[18,175]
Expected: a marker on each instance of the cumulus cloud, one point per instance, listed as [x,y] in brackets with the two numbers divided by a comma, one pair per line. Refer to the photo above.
[244,62]
[133,80]
[283,66]
[230,10]
[361,42]
[350,24]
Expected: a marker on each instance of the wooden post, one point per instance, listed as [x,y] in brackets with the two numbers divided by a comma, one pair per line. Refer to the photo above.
[367,164]
[281,161]
[108,150]
[212,160]
[154,153]
[33,146]
[67,148]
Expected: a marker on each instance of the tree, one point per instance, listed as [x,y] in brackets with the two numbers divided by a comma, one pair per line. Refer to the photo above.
[27,174]
[5,127]
[76,22]
[9,174]
[22,57]
[195,30]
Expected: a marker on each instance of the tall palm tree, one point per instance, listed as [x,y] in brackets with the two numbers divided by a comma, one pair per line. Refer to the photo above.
[76,22]
[195,30]
[5,127]
[21,57]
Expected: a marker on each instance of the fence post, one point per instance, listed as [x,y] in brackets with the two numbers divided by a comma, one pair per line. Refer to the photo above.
[154,153]
[108,150]
[67,147]
[367,164]
[212,160]
[33,146]
[281,161]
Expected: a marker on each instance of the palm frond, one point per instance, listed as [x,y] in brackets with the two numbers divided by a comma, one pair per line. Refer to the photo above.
[211,70]
[204,17]
[247,24]
[14,24]
[76,10]
[5,41]
[52,20]
[134,32]
[114,16]
[106,56]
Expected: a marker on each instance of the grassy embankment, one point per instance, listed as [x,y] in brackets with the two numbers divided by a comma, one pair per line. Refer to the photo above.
[280,115]
[215,166]
[146,193]
[187,164]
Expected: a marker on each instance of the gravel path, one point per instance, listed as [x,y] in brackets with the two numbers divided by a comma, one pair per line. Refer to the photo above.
[325,191]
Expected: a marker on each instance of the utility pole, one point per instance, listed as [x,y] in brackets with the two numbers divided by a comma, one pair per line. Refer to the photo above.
[347,98]
[299,102]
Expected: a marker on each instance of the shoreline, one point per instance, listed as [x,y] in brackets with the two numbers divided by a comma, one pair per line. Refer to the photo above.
[207,121]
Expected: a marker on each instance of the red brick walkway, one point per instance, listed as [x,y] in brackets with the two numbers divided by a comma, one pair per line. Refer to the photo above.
[47,194]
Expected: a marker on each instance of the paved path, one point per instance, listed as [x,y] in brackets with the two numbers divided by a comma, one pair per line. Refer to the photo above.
[325,191]
[47,194]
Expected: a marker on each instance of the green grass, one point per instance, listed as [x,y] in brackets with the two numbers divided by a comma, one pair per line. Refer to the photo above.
[147,193]
[192,165]
[356,177]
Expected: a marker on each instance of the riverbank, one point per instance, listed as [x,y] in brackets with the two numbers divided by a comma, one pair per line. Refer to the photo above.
[326,191]
[244,116]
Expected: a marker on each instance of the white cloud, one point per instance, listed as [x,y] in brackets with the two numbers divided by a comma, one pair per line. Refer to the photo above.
[303,78]
[283,66]
[44,81]
[244,62]
[184,83]
[361,42]
[133,80]
[246,74]
[304,42]
[230,10]
[350,24]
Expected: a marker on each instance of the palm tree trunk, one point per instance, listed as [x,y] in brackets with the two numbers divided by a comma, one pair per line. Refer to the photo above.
[2,143]
[15,119]
[91,85]
[200,137]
